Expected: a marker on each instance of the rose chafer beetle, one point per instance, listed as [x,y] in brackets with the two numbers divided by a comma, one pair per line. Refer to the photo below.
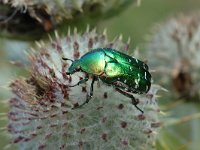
[126,74]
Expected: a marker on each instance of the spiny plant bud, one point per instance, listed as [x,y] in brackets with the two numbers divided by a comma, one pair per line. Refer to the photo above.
[25,15]
[41,114]
[175,47]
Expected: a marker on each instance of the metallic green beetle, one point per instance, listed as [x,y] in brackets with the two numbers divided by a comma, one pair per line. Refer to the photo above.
[126,74]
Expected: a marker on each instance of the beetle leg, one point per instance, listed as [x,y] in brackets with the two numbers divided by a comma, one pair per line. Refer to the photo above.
[92,85]
[80,82]
[90,95]
[134,101]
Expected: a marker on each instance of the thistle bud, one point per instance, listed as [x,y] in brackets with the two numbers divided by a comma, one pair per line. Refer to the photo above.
[175,47]
[41,114]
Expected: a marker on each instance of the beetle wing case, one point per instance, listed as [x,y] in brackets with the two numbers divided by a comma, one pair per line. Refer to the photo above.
[128,70]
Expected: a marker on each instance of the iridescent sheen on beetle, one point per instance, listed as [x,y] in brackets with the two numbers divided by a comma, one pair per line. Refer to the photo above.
[126,74]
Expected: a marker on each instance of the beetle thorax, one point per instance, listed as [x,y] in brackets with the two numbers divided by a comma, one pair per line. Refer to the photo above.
[93,63]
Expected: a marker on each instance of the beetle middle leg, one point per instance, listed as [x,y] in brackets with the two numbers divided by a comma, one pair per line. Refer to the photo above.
[134,101]
[90,95]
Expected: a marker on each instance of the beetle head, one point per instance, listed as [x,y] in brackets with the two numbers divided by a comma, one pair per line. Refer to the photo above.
[74,67]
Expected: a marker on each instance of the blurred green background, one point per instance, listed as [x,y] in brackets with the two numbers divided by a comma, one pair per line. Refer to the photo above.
[136,23]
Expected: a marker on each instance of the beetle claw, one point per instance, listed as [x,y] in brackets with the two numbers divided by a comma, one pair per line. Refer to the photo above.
[135,102]
[80,82]
[88,97]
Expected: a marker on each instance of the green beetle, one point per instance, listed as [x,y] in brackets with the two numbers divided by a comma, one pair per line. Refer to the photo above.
[128,75]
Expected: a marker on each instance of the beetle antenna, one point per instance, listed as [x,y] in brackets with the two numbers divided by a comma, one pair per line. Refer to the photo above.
[67,59]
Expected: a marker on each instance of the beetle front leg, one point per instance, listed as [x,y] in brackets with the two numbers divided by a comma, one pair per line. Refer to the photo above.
[90,95]
[80,82]
[134,101]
